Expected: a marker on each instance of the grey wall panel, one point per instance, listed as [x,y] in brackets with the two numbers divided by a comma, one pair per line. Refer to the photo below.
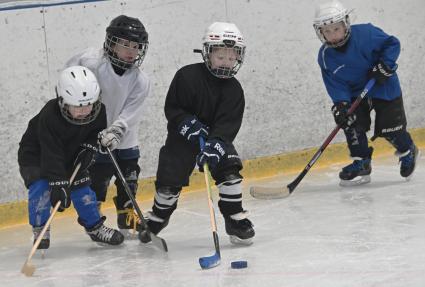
[287,107]
[72,28]
[23,89]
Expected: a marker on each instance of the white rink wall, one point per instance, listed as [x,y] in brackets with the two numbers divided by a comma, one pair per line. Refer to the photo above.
[287,107]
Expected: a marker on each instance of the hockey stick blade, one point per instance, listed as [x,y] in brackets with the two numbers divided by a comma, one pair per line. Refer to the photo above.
[159,242]
[208,262]
[28,269]
[260,192]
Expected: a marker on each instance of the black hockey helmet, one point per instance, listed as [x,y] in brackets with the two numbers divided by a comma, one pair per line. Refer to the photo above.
[121,29]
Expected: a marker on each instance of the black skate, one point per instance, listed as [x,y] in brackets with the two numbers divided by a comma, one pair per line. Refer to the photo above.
[408,162]
[358,172]
[239,228]
[127,220]
[104,235]
[45,242]
[155,225]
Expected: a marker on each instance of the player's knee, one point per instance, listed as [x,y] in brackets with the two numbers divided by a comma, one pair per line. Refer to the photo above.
[229,179]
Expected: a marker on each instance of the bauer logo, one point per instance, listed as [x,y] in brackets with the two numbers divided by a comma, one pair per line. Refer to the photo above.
[394,129]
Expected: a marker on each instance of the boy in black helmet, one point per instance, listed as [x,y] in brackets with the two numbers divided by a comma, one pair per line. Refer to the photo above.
[124,88]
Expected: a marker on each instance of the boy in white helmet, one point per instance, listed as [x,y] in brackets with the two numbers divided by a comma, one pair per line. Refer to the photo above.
[60,137]
[205,100]
[124,89]
[349,57]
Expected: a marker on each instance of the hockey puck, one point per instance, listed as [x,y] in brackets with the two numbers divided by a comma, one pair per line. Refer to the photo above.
[239,264]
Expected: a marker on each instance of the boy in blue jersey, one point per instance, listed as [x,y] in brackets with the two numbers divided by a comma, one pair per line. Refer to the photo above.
[348,58]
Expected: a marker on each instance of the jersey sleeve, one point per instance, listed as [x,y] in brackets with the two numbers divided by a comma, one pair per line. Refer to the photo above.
[131,113]
[52,159]
[228,116]
[387,47]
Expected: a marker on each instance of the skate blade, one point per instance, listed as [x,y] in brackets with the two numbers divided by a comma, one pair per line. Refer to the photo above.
[358,180]
[238,241]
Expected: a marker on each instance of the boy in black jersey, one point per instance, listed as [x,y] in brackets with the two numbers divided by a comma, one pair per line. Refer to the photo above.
[62,136]
[205,100]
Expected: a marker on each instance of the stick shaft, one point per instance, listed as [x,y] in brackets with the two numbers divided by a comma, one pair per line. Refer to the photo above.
[316,156]
[47,224]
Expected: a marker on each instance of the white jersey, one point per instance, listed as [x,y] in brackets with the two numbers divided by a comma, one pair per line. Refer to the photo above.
[122,95]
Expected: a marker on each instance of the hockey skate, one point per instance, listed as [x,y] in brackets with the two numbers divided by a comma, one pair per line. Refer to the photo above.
[103,235]
[155,225]
[45,241]
[239,228]
[127,220]
[408,162]
[358,172]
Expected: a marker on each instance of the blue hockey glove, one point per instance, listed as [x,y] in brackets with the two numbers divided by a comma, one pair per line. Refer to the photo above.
[191,128]
[214,150]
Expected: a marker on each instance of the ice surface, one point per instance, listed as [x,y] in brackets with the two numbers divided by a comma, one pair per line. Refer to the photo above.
[322,235]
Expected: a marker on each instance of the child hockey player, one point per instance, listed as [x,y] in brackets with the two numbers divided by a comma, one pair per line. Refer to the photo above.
[124,88]
[349,56]
[62,136]
[205,100]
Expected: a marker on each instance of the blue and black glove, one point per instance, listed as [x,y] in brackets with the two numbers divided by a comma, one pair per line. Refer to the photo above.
[86,156]
[191,129]
[213,151]
[341,116]
[381,72]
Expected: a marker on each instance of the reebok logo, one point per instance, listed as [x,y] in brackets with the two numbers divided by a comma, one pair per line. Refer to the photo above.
[218,147]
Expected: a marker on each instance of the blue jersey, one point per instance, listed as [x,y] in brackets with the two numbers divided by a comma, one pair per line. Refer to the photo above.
[345,72]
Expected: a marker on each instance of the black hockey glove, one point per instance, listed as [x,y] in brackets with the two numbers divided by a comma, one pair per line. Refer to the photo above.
[340,112]
[111,137]
[381,72]
[191,129]
[213,152]
[86,156]
[59,191]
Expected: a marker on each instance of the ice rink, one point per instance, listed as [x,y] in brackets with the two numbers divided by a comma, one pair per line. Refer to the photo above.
[322,235]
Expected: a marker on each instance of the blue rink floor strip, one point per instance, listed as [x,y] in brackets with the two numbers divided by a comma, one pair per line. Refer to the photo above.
[37,4]
[264,167]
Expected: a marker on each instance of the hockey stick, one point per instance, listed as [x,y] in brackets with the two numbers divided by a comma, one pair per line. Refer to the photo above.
[28,269]
[213,260]
[281,192]
[157,241]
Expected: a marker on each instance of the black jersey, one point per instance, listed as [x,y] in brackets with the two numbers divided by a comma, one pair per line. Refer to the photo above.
[217,103]
[52,143]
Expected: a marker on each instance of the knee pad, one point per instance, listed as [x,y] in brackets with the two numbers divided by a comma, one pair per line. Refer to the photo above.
[165,201]
[357,142]
[131,171]
[39,202]
[401,140]
[85,203]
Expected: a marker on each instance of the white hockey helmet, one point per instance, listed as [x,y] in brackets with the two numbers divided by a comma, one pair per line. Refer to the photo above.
[77,86]
[328,13]
[223,35]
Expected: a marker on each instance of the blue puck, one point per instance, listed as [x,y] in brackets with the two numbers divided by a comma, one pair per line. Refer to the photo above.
[239,264]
